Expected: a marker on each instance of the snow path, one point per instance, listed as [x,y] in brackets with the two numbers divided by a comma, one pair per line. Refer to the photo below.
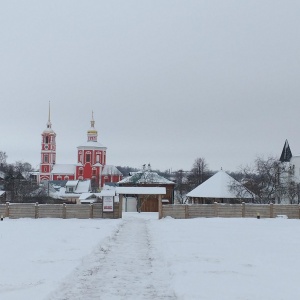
[126,266]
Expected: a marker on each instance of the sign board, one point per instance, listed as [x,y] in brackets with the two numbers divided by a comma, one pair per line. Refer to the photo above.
[108,204]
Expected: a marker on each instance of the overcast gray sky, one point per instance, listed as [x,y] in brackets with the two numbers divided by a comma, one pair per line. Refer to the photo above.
[169,81]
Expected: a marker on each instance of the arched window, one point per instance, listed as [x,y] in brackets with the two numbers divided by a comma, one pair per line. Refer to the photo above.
[88,157]
[80,171]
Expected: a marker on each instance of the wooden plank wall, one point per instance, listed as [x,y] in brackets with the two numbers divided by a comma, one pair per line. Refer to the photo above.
[17,211]
[50,211]
[230,211]
[65,211]
[205,211]
[174,211]
[2,210]
[291,211]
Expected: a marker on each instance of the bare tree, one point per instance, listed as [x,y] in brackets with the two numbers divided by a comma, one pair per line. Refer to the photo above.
[269,180]
[182,186]
[3,158]
[199,172]
[18,182]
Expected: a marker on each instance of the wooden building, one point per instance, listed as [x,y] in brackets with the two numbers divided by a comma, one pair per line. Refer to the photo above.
[148,178]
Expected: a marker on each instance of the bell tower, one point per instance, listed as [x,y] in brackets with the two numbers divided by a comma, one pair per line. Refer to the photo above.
[48,151]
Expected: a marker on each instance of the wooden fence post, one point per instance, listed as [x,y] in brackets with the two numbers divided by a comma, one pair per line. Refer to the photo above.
[64,212]
[120,205]
[271,210]
[186,212]
[243,209]
[7,210]
[160,214]
[36,210]
[216,209]
[91,211]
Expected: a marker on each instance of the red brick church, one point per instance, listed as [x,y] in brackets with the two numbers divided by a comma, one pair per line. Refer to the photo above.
[91,160]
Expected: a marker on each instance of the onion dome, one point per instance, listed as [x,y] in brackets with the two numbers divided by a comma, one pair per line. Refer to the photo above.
[92,133]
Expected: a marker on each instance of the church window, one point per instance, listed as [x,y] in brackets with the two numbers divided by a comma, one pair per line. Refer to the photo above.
[47,140]
[46,158]
[98,158]
[80,171]
[94,171]
[66,178]
[59,177]
[88,157]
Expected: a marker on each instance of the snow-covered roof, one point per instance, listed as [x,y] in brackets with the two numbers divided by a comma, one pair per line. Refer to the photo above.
[141,190]
[86,196]
[49,130]
[218,186]
[91,144]
[97,165]
[83,186]
[111,170]
[63,169]
[105,193]
[72,183]
[2,193]
[143,177]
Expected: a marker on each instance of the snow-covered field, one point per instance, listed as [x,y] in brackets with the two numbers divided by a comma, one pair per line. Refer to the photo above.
[141,257]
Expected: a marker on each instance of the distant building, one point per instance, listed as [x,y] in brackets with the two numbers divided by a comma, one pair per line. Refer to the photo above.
[91,160]
[147,178]
[288,186]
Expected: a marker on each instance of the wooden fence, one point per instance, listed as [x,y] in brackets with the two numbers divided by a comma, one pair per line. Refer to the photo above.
[230,211]
[64,211]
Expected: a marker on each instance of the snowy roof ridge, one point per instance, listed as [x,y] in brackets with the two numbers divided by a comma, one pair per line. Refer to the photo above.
[218,186]
[142,177]
[63,169]
[111,170]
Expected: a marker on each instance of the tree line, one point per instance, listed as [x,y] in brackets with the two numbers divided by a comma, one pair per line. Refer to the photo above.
[17,182]
[267,179]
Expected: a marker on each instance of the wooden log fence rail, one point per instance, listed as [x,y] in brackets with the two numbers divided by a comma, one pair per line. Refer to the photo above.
[63,211]
[244,210]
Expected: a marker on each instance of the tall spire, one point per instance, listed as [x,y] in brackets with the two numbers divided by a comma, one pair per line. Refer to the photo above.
[286,153]
[92,121]
[49,121]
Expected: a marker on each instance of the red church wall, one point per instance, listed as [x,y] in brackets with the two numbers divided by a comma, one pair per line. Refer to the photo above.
[63,177]
[110,178]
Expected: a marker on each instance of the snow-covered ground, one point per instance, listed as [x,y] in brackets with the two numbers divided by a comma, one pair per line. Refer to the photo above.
[141,257]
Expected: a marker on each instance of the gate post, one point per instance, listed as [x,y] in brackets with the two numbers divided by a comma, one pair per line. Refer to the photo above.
[7,210]
[160,215]
[120,205]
